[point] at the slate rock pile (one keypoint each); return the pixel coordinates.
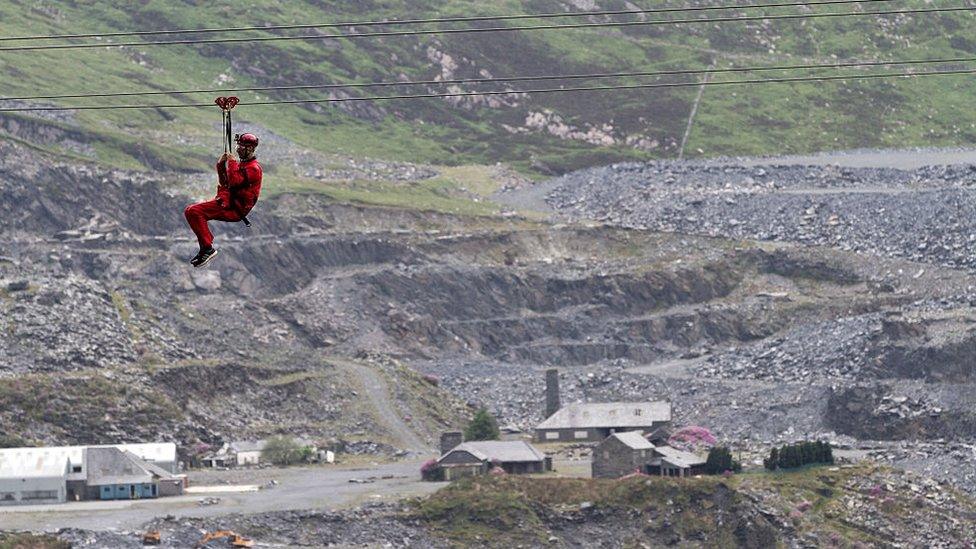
(60, 324)
(836, 349)
(927, 215)
(372, 525)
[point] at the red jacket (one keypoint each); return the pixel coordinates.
(243, 181)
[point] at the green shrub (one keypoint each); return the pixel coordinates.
(796, 455)
(282, 450)
(482, 427)
(720, 460)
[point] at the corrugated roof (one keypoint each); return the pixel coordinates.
(611, 415)
(36, 465)
(634, 440)
(500, 450)
(679, 457)
(162, 452)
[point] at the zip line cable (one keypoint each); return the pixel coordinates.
(483, 18)
(512, 92)
(676, 72)
(489, 29)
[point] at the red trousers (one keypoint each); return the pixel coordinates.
(199, 214)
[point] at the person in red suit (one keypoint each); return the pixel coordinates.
(238, 188)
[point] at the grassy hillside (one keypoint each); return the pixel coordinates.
(850, 506)
(602, 126)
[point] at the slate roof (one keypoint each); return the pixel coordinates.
(679, 457)
(505, 451)
(113, 466)
(150, 467)
(608, 415)
(633, 440)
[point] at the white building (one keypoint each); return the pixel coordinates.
(162, 454)
(247, 452)
(32, 478)
(14, 462)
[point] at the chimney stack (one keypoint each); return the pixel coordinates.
(552, 392)
(450, 440)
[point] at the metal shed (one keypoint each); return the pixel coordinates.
(34, 477)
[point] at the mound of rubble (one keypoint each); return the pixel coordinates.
(926, 215)
(828, 506)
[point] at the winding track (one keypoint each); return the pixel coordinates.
(376, 389)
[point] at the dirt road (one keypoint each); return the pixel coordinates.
(298, 488)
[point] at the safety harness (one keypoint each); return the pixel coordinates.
(226, 105)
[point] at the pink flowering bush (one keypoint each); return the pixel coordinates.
(430, 470)
(692, 438)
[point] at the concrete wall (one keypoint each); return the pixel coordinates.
(249, 458)
(170, 487)
(19, 491)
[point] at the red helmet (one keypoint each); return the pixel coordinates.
(247, 139)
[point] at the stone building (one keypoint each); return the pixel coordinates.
(671, 462)
(621, 454)
(478, 457)
(593, 422)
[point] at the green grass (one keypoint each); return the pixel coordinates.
(31, 541)
(508, 510)
(465, 140)
(431, 195)
(76, 407)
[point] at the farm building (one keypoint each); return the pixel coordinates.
(248, 452)
(671, 462)
(593, 422)
(621, 454)
(33, 479)
(478, 457)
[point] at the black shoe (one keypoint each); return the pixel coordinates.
(204, 257)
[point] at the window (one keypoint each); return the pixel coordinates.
(39, 494)
(606, 454)
(637, 411)
(580, 434)
(76, 468)
(552, 435)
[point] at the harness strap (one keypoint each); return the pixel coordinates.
(228, 129)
